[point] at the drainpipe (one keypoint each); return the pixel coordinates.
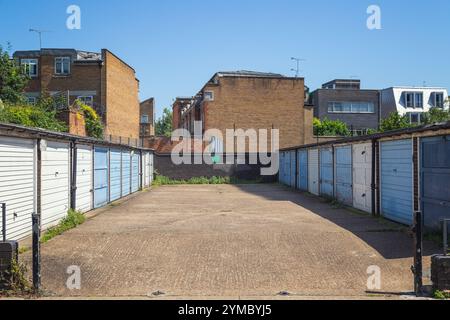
(374, 177)
(73, 175)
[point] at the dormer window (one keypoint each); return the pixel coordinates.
(414, 99)
(62, 65)
(438, 99)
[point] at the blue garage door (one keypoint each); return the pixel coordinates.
(126, 173)
(115, 174)
(293, 170)
(303, 170)
(281, 170)
(135, 172)
(100, 177)
(397, 181)
(344, 176)
(326, 172)
(435, 180)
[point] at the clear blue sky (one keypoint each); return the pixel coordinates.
(177, 45)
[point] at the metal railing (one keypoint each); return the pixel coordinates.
(127, 141)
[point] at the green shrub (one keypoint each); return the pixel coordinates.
(328, 127)
(395, 121)
(32, 116)
(72, 220)
(94, 126)
(440, 295)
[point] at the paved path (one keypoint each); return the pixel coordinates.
(228, 241)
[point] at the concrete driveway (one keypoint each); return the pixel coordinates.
(228, 241)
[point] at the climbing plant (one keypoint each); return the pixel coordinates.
(94, 125)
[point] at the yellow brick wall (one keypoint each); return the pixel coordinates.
(120, 95)
(261, 103)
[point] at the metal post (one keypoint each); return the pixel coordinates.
(445, 237)
(4, 221)
(418, 250)
(36, 220)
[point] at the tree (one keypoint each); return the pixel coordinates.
(163, 125)
(395, 121)
(436, 115)
(328, 127)
(13, 79)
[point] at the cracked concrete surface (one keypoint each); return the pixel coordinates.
(228, 241)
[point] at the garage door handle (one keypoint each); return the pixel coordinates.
(364, 195)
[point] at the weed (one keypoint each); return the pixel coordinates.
(16, 281)
(73, 219)
(441, 295)
(23, 249)
(163, 180)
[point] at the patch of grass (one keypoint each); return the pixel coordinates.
(73, 219)
(24, 249)
(441, 295)
(164, 181)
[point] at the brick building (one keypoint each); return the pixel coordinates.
(147, 118)
(101, 80)
(249, 100)
(345, 100)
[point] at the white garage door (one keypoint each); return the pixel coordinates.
(55, 183)
(17, 185)
(84, 178)
(313, 171)
(362, 177)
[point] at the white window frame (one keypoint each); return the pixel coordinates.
(26, 63)
(84, 97)
(435, 100)
(145, 116)
(62, 59)
(210, 93)
(333, 110)
(415, 101)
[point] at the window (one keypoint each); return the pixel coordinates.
(209, 96)
(62, 65)
(439, 99)
(87, 100)
(30, 66)
(415, 117)
(351, 107)
(31, 100)
(414, 99)
(144, 119)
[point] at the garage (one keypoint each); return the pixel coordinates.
(344, 177)
(17, 185)
(135, 171)
(84, 178)
(326, 172)
(293, 169)
(313, 171)
(55, 182)
(100, 177)
(397, 181)
(435, 165)
(115, 175)
(362, 177)
(303, 170)
(126, 173)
